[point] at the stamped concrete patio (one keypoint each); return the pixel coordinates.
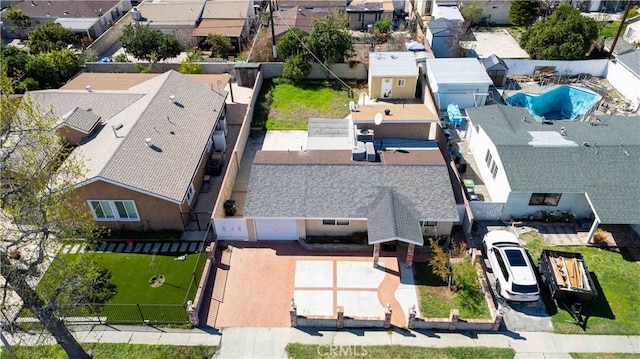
(259, 280)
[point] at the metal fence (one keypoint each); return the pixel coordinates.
(196, 221)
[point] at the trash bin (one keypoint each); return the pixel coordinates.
(230, 208)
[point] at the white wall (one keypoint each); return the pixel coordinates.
(498, 10)
(526, 67)
(479, 142)
(627, 83)
(518, 205)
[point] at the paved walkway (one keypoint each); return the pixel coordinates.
(165, 247)
(271, 342)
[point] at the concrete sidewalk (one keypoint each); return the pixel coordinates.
(271, 342)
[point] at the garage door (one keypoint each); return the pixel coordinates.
(462, 100)
(276, 229)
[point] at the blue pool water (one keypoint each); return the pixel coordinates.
(557, 103)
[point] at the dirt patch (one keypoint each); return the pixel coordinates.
(156, 281)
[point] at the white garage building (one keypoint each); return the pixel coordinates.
(463, 81)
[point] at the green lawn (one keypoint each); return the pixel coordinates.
(117, 351)
(617, 279)
(436, 300)
(300, 351)
(131, 273)
(609, 29)
(283, 106)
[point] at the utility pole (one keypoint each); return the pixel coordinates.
(624, 18)
(273, 31)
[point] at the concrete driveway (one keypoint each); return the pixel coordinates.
(499, 42)
(260, 280)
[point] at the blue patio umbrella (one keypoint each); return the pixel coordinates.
(414, 46)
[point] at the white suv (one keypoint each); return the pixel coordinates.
(515, 278)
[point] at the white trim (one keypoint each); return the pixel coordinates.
(114, 210)
(99, 178)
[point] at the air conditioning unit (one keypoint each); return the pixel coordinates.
(364, 135)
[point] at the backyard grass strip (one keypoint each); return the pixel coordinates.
(117, 351)
(284, 106)
(300, 351)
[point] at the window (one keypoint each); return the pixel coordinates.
(377, 17)
(545, 199)
(503, 268)
(494, 170)
(401, 82)
(428, 224)
(114, 210)
(335, 222)
(488, 158)
(361, 17)
(190, 193)
(631, 34)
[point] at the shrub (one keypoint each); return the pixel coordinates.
(600, 237)
(439, 261)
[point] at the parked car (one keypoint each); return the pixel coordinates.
(515, 278)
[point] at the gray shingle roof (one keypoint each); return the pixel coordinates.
(392, 218)
(607, 168)
(82, 120)
(179, 131)
(301, 190)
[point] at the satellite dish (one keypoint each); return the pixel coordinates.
(352, 106)
(377, 119)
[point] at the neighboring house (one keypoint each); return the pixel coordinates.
(462, 81)
(442, 35)
(590, 169)
(90, 18)
(144, 149)
(623, 72)
(497, 70)
(364, 13)
(296, 17)
(337, 6)
(632, 32)
(235, 19)
(175, 17)
(393, 188)
(392, 75)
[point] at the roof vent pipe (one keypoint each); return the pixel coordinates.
(172, 98)
(148, 142)
(88, 88)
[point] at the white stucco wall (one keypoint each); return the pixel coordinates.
(625, 81)
(525, 67)
(461, 94)
(498, 11)
(479, 143)
(518, 205)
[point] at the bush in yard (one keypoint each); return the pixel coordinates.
(383, 25)
(523, 12)
(149, 44)
(439, 261)
(296, 68)
(220, 45)
(49, 37)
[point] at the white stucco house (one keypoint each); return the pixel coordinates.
(588, 169)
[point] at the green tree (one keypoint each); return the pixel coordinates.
(220, 45)
(50, 36)
(330, 40)
(565, 35)
(14, 60)
(439, 262)
(38, 206)
(42, 70)
(524, 12)
(190, 65)
(149, 44)
(383, 25)
(296, 68)
(289, 44)
(472, 12)
(18, 18)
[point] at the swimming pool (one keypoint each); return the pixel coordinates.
(557, 103)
